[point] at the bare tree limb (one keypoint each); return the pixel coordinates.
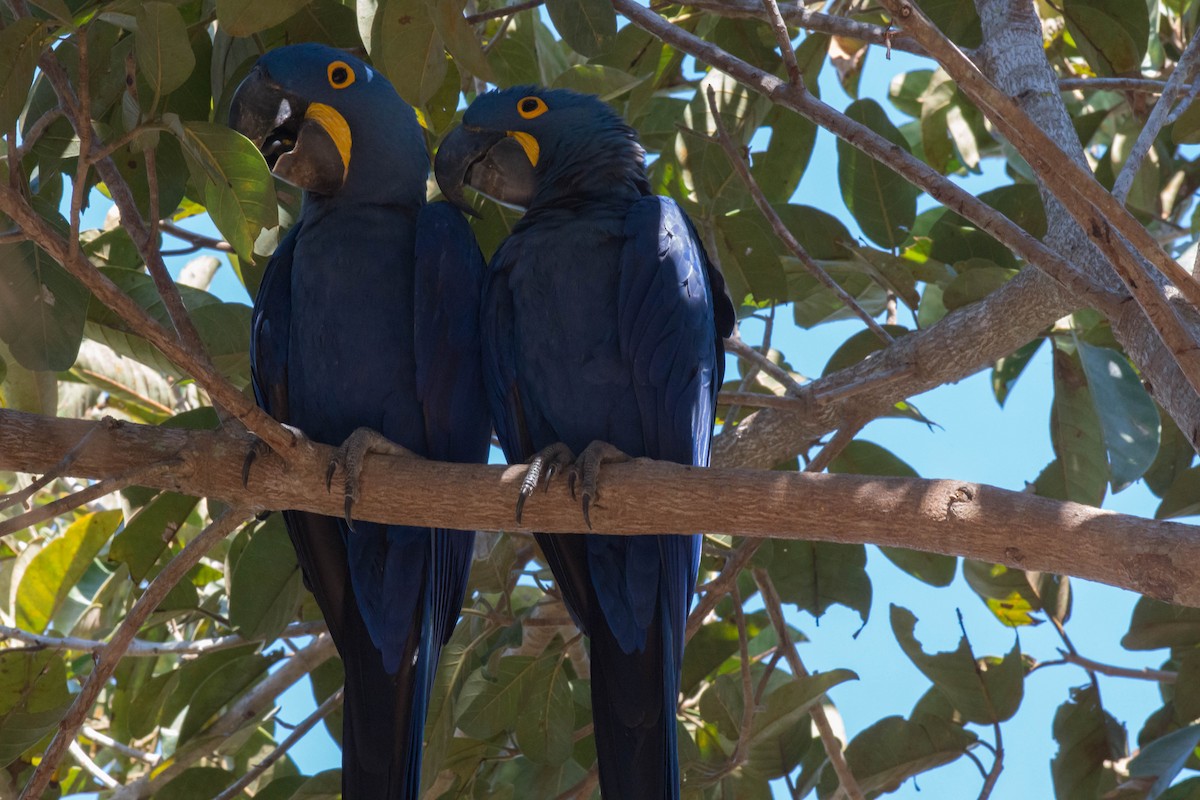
(118, 747)
(324, 710)
(1177, 86)
(141, 648)
(1153, 557)
(832, 745)
(110, 657)
(1143, 674)
(91, 767)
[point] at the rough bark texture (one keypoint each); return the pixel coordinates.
(953, 517)
(1014, 59)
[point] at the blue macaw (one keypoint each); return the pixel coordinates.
(367, 316)
(602, 321)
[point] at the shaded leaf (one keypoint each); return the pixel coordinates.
(41, 308)
(817, 575)
(1163, 759)
(1183, 498)
(146, 536)
(781, 729)
(246, 17)
(1155, 624)
(264, 583)
(1111, 34)
(1089, 740)
(1006, 370)
(588, 26)
(164, 54)
(883, 203)
(33, 698)
(1128, 418)
(547, 721)
(985, 691)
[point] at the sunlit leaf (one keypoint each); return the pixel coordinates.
(883, 203)
(60, 565)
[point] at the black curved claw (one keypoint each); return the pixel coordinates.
(251, 455)
(329, 470)
(348, 507)
(587, 504)
(521, 503)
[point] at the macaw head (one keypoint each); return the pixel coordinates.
(526, 146)
(331, 125)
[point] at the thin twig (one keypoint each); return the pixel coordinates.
(23, 495)
(1176, 86)
(833, 746)
(505, 11)
(739, 348)
(1112, 85)
(35, 131)
(74, 500)
(143, 648)
(749, 707)
(738, 161)
(108, 659)
(91, 767)
(197, 239)
(1144, 674)
(325, 709)
(88, 732)
(784, 40)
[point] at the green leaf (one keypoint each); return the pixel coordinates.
(514, 59)
(1175, 455)
(958, 21)
(1183, 498)
(325, 785)
(858, 347)
(985, 693)
(219, 688)
(883, 203)
(60, 565)
(607, 83)
(490, 705)
(1111, 34)
(748, 252)
(239, 191)
(894, 749)
(588, 26)
(547, 720)
(197, 783)
(246, 17)
(778, 169)
(780, 730)
(41, 308)
(408, 49)
(1080, 472)
(1164, 758)
(906, 89)
(1089, 741)
(817, 575)
(146, 536)
(1155, 624)
(21, 43)
(264, 583)
(1007, 369)
(975, 284)
(459, 37)
(1127, 415)
(164, 54)
(33, 698)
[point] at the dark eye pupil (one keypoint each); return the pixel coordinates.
(529, 105)
(339, 75)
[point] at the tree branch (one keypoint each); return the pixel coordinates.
(1017, 529)
(110, 656)
(141, 648)
(324, 710)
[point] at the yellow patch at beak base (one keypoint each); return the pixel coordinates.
(528, 144)
(336, 126)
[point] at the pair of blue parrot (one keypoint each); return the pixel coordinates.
(594, 332)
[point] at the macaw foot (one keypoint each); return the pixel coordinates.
(542, 467)
(260, 448)
(350, 458)
(586, 472)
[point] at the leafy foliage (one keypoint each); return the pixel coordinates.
(510, 715)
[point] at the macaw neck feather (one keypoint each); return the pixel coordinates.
(601, 166)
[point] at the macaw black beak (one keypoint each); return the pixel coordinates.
(497, 164)
(306, 144)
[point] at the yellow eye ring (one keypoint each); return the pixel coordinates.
(340, 75)
(530, 107)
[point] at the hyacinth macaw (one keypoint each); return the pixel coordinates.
(602, 322)
(368, 317)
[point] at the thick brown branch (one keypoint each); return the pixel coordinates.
(986, 523)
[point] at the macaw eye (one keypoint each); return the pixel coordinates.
(530, 107)
(340, 75)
